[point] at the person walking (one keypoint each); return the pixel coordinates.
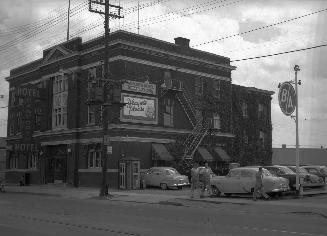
(206, 180)
(2, 185)
(194, 178)
(258, 188)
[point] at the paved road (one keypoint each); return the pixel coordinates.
(32, 214)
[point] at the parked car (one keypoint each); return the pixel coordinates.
(309, 180)
(285, 172)
(317, 170)
(165, 177)
(242, 180)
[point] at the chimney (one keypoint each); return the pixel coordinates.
(184, 42)
(283, 145)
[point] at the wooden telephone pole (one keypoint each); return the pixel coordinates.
(97, 7)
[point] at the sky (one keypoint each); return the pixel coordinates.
(238, 29)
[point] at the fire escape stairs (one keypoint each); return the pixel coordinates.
(200, 127)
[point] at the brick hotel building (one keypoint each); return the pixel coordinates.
(175, 98)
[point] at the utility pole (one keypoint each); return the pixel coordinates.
(68, 19)
(97, 7)
(298, 189)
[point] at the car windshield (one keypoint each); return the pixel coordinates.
(266, 172)
(172, 172)
(301, 170)
(285, 170)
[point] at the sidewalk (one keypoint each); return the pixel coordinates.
(152, 196)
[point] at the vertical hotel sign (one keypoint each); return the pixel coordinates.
(139, 108)
(29, 94)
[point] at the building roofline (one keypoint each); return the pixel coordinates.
(253, 89)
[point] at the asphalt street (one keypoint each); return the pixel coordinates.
(34, 214)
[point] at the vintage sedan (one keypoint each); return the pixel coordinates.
(165, 177)
(285, 172)
(242, 181)
(309, 180)
(320, 171)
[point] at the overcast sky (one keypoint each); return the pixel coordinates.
(220, 26)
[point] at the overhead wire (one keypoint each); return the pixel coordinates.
(260, 28)
(280, 53)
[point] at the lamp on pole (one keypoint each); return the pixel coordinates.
(296, 69)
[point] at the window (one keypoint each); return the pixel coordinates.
(261, 111)
(245, 137)
(244, 109)
(90, 114)
(198, 86)
(216, 121)
(11, 129)
(32, 161)
(246, 174)
(94, 159)
(13, 163)
(60, 95)
(234, 173)
(216, 89)
(169, 112)
(262, 137)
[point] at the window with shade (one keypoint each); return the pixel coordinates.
(216, 121)
(94, 159)
(60, 95)
(169, 112)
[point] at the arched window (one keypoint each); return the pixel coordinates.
(216, 121)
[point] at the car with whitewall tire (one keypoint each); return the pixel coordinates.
(242, 181)
(165, 178)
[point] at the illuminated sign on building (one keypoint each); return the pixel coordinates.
(139, 87)
(139, 109)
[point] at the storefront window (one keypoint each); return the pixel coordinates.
(13, 162)
(94, 159)
(32, 161)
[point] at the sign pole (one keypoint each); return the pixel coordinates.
(296, 69)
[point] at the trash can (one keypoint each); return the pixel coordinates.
(27, 179)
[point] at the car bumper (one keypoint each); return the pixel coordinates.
(281, 189)
(179, 184)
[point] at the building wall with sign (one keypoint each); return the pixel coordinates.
(162, 82)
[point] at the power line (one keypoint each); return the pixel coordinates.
(280, 53)
(260, 28)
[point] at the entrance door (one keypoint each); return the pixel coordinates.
(60, 170)
(136, 174)
(122, 175)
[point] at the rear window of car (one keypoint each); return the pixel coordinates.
(286, 170)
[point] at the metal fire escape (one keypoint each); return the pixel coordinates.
(200, 126)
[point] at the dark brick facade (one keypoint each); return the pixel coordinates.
(64, 153)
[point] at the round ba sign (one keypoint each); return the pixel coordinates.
(287, 98)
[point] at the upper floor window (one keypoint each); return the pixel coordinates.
(262, 137)
(59, 96)
(96, 72)
(244, 109)
(216, 89)
(90, 114)
(169, 112)
(216, 121)
(245, 137)
(11, 129)
(261, 111)
(198, 86)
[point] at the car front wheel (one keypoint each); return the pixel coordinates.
(215, 191)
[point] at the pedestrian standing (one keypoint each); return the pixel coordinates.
(2, 185)
(206, 180)
(194, 178)
(258, 188)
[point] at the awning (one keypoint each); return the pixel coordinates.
(222, 154)
(161, 152)
(205, 154)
